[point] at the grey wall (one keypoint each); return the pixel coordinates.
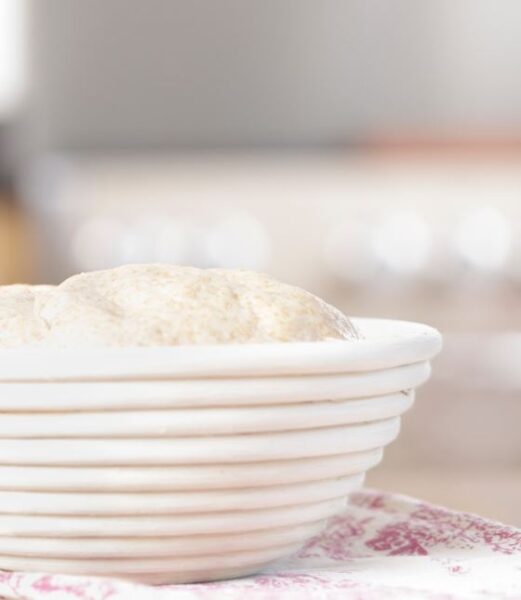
(134, 73)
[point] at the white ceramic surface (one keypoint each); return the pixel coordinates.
(165, 503)
(384, 344)
(186, 477)
(200, 450)
(204, 421)
(136, 547)
(247, 391)
(207, 523)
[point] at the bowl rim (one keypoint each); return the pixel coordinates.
(385, 343)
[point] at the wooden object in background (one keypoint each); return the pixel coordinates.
(15, 245)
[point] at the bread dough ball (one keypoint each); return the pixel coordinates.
(166, 305)
(19, 325)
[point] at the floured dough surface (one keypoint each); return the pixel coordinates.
(19, 325)
(165, 305)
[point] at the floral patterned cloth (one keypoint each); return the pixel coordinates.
(382, 546)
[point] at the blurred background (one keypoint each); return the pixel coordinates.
(369, 151)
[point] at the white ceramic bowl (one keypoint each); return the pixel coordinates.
(193, 463)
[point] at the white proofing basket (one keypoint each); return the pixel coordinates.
(193, 463)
